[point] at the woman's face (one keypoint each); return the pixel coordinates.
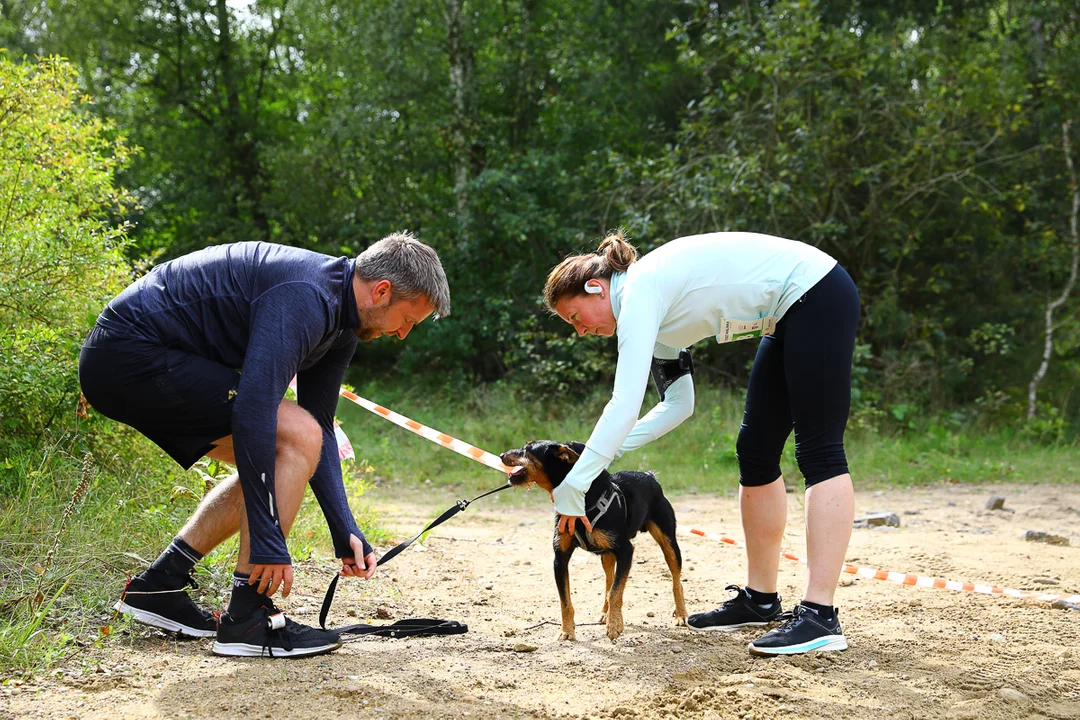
(589, 314)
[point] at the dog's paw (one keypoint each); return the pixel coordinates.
(680, 620)
(567, 636)
(613, 633)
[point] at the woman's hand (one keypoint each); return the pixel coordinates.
(567, 523)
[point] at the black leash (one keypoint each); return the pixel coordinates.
(411, 626)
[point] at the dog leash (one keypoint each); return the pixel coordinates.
(414, 626)
(390, 555)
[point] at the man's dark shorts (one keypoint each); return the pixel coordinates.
(183, 402)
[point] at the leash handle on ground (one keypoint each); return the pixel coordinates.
(450, 512)
(899, 578)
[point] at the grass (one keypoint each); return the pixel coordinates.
(135, 499)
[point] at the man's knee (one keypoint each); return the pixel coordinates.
(298, 433)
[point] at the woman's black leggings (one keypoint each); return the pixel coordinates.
(801, 378)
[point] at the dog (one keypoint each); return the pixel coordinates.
(619, 506)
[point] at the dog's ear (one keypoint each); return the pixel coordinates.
(567, 454)
(578, 447)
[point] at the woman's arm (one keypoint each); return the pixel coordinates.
(639, 324)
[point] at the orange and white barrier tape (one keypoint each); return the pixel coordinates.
(451, 443)
(915, 580)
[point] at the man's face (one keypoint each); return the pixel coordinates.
(396, 318)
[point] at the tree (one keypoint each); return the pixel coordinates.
(62, 256)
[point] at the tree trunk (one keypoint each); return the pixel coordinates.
(461, 65)
(1051, 307)
(244, 164)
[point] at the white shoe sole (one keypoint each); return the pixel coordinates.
(822, 644)
(162, 623)
(729, 628)
(245, 650)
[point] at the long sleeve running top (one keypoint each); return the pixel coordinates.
(687, 290)
(271, 312)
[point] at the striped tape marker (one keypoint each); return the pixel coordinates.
(899, 578)
(461, 448)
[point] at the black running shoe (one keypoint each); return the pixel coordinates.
(803, 631)
(268, 633)
(738, 612)
(159, 599)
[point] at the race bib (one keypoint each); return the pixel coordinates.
(732, 330)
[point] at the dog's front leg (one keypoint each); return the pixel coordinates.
(562, 582)
(624, 558)
(608, 559)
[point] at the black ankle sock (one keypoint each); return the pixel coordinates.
(762, 598)
(826, 612)
(178, 559)
(245, 599)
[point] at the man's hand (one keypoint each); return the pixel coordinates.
(567, 523)
(351, 568)
(272, 577)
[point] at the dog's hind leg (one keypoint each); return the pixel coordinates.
(624, 558)
(608, 559)
(562, 582)
(664, 535)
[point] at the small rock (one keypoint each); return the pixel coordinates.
(488, 587)
(1044, 581)
(878, 519)
(1065, 605)
(676, 648)
(995, 503)
(997, 637)
(1012, 695)
(847, 581)
(650, 614)
(913, 512)
(524, 647)
(382, 613)
(1045, 537)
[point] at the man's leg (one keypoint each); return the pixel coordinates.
(221, 513)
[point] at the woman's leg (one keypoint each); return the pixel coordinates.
(762, 495)
(819, 343)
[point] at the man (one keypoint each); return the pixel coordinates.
(197, 355)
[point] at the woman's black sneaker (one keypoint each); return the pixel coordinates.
(738, 612)
(159, 599)
(268, 633)
(803, 631)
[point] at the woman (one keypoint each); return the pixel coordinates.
(732, 285)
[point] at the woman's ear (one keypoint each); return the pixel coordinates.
(594, 287)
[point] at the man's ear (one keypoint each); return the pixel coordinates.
(566, 454)
(381, 293)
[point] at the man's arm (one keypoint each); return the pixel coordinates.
(286, 322)
(317, 392)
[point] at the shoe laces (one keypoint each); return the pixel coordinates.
(279, 633)
(788, 618)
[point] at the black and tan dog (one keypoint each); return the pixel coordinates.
(618, 506)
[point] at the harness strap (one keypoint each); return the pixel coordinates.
(328, 600)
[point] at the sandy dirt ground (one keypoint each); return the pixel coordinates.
(914, 652)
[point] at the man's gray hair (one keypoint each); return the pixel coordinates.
(413, 269)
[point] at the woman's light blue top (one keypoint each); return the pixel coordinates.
(727, 285)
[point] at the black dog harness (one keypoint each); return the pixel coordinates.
(613, 496)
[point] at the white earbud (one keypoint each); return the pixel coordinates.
(594, 288)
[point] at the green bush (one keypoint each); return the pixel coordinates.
(61, 258)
